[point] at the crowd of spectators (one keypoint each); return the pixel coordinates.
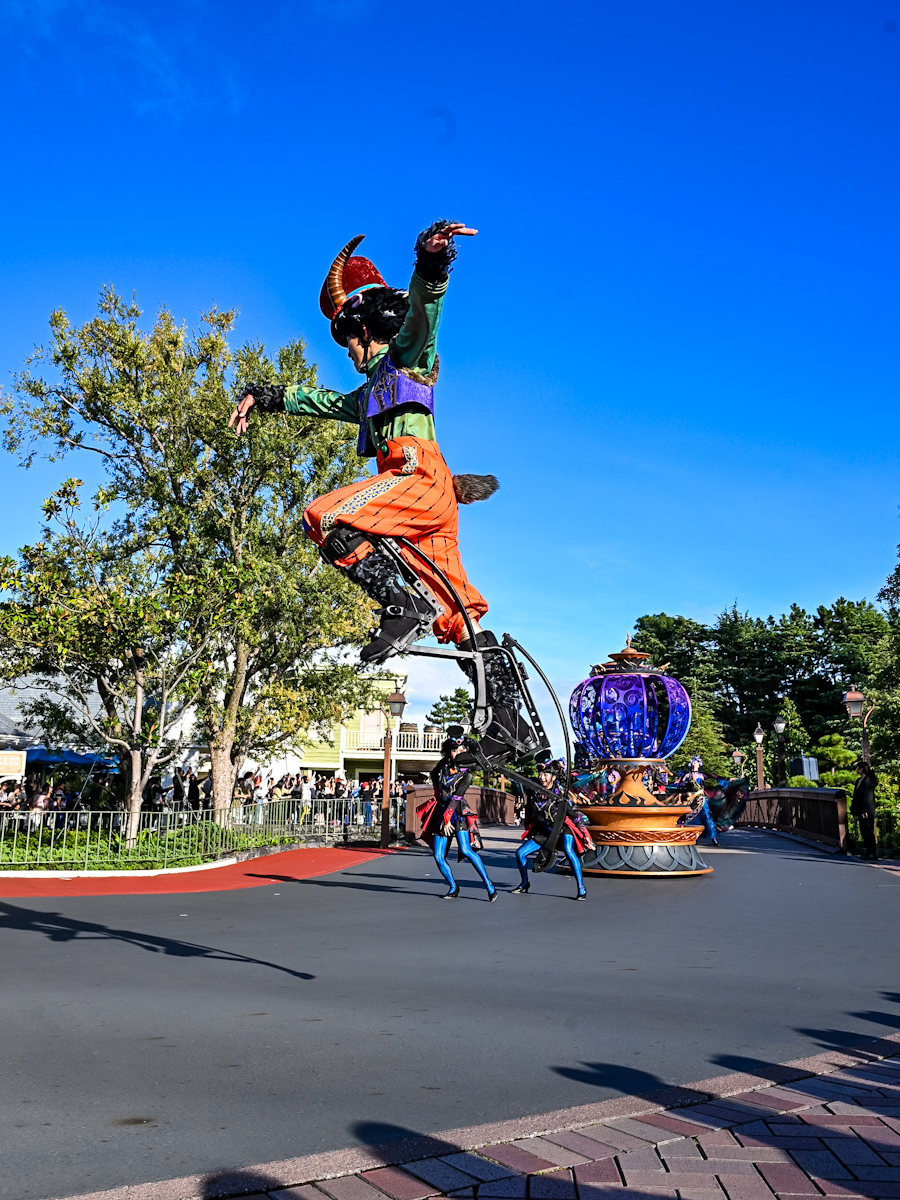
(362, 798)
(186, 792)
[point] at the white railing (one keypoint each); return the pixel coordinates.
(429, 743)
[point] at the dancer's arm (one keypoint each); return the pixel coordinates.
(297, 400)
(415, 345)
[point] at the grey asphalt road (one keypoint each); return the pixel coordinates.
(145, 1037)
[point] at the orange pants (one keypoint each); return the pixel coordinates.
(412, 496)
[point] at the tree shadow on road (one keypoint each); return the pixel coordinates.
(397, 1143)
(842, 1039)
(763, 1070)
(240, 1181)
(630, 1081)
(58, 928)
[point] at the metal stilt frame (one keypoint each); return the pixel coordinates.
(483, 713)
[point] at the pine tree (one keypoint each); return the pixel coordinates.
(452, 710)
(704, 739)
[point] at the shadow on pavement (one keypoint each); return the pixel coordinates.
(392, 1143)
(58, 928)
(342, 883)
(395, 1144)
(238, 1181)
(629, 1081)
(763, 1070)
(891, 1020)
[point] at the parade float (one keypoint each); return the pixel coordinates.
(631, 716)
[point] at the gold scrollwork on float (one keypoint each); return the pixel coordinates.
(622, 837)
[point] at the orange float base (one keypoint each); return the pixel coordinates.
(634, 834)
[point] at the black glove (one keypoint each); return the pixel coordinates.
(268, 397)
(434, 268)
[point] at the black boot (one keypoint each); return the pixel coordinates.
(509, 737)
(402, 613)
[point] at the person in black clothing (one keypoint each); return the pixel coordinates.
(448, 813)
(862, 806)
(540, 814)
(193, 791)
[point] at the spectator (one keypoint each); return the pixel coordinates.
(207, 791)
(306, 797)
(178, 789)
(259, 798)
(862, 806)
(40, 803)
(193, 791)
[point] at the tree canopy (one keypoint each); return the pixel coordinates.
(743, 670)
(455, 709)
(218, 516)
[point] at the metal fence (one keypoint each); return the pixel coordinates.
(114, 840)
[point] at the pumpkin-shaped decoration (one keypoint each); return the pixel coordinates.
(629, 710)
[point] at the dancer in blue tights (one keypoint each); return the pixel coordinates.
(448, 813)
(539, 815)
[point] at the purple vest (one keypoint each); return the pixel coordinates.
(388, 388)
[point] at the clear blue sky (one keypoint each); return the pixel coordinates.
(675, 339)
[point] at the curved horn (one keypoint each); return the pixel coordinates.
(335, 280)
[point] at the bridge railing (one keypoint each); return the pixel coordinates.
(817, 814)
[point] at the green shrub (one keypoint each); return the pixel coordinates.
(96, 850)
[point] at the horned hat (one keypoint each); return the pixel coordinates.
(349, 275)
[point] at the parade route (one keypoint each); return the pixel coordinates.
(155, 1036)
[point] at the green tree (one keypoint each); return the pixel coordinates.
(704, 739)
(112, 645)
(154, 406)
(683, 644)
(796, 740)
(746, 665)
(835, 761)
(455, 709)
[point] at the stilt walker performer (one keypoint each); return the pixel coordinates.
(391, 339)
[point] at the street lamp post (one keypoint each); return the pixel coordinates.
(758, 735)
(855, 702)
(396, 703)
(737, 759)
(779, 725)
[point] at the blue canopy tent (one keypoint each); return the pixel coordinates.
(40, 756)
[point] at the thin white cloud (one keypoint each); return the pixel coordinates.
(156, 68)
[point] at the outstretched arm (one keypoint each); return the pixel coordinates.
(415, 344)
(297, 400)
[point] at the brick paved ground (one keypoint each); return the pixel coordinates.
(827, 1126)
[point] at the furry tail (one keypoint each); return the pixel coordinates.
(470, 488)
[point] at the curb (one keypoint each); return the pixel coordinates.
(288, 1173)
(231, 861)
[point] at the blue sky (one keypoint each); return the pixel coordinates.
(674, 339)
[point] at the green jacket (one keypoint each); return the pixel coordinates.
(413, 349)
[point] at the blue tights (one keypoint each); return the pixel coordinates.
(465, 848)
(703, 817)
(568, 845)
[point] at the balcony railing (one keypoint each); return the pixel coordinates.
(429, 743)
